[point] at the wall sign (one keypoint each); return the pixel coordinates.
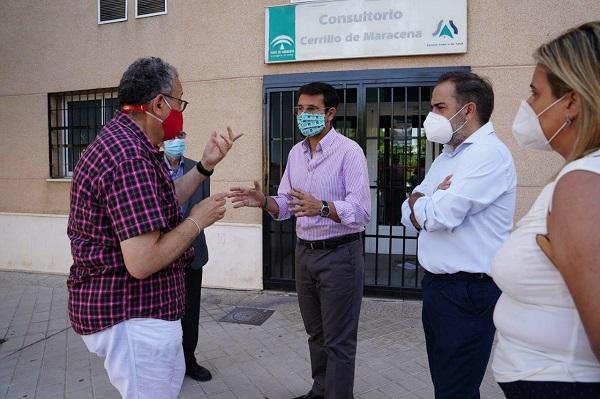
(364, 28)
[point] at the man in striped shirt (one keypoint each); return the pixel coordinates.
(325, 186)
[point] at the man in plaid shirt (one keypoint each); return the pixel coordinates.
(129, 241)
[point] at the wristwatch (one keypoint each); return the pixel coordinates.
(203, 171)
(324, 209)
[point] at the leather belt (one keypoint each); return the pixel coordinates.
(330, 243)
(459, 276)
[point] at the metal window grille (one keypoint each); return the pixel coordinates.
(112, 11)
(74, 119)
(383, 111)
(150, 8)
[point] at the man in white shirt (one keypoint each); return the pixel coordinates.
(464, 211)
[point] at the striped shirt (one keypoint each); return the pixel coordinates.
(336, 172)
(121, 189)
(176, 173)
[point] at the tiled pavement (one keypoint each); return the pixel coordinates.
(43, 358)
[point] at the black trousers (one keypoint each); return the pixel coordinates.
(459, 332)
(190, 321)
(550, 390)
(329, 284)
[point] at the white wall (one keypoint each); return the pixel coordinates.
(234, 256)
(34, 242)
(39, 243)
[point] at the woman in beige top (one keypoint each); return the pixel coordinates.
(548, 316)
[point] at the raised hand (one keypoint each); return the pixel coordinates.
(244, 196)
(304, 204)
(209, 210)
(217, 147)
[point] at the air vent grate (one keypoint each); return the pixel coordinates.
(112, 11)
(147, 8)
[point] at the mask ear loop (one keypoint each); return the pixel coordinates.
(463, 107)
(463, 125)
(154, 116)
(550, 106)
(560, 129)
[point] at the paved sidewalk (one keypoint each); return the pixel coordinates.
(42, 357)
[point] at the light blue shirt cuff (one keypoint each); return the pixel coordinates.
(406, 214)
(406, 218)
(419, 211)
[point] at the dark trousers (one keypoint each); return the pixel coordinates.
(329, 284)
(459, 332)
(550, 390)
(190, 321)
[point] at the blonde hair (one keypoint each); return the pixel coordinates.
(572, 61)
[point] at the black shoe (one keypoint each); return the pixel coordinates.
(310, 395)
(197, 372)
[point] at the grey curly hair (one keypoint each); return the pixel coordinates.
(144, 79)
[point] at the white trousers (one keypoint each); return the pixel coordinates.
(144, 357)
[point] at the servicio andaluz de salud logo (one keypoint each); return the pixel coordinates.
(446, 29)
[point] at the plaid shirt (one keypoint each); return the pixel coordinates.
(121, 189)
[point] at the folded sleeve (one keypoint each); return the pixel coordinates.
(133, 199)
(355, 209)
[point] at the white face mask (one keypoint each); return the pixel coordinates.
(527, 129)
(438, 129)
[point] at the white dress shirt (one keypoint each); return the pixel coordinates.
(466, 224)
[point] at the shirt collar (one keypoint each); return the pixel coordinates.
(180, 165)
(478, 135)
(326, 144)
(128, 123)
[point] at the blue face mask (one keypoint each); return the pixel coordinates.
(174, 148)
(310, 124)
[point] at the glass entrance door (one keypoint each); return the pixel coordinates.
(383, 111)
(279, 237)
(398, 155)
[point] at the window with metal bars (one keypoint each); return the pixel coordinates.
(112, 11)
(74, 119)
(150, 8)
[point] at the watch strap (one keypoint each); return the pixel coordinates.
(202, 170)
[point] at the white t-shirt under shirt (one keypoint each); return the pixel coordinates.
(540, 335)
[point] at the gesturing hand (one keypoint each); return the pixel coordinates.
(217, 148)
(250, 197)
(209, 210)
(304, 204)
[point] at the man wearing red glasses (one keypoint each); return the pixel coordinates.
(129, 241)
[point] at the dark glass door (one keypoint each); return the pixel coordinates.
(383, 111)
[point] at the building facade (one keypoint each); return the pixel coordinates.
(61, 65)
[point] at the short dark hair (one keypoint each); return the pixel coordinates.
(470, 87)
(330, 96)
(144, 79)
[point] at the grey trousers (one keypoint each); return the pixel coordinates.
(329, 284)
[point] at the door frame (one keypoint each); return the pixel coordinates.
(361, 80)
